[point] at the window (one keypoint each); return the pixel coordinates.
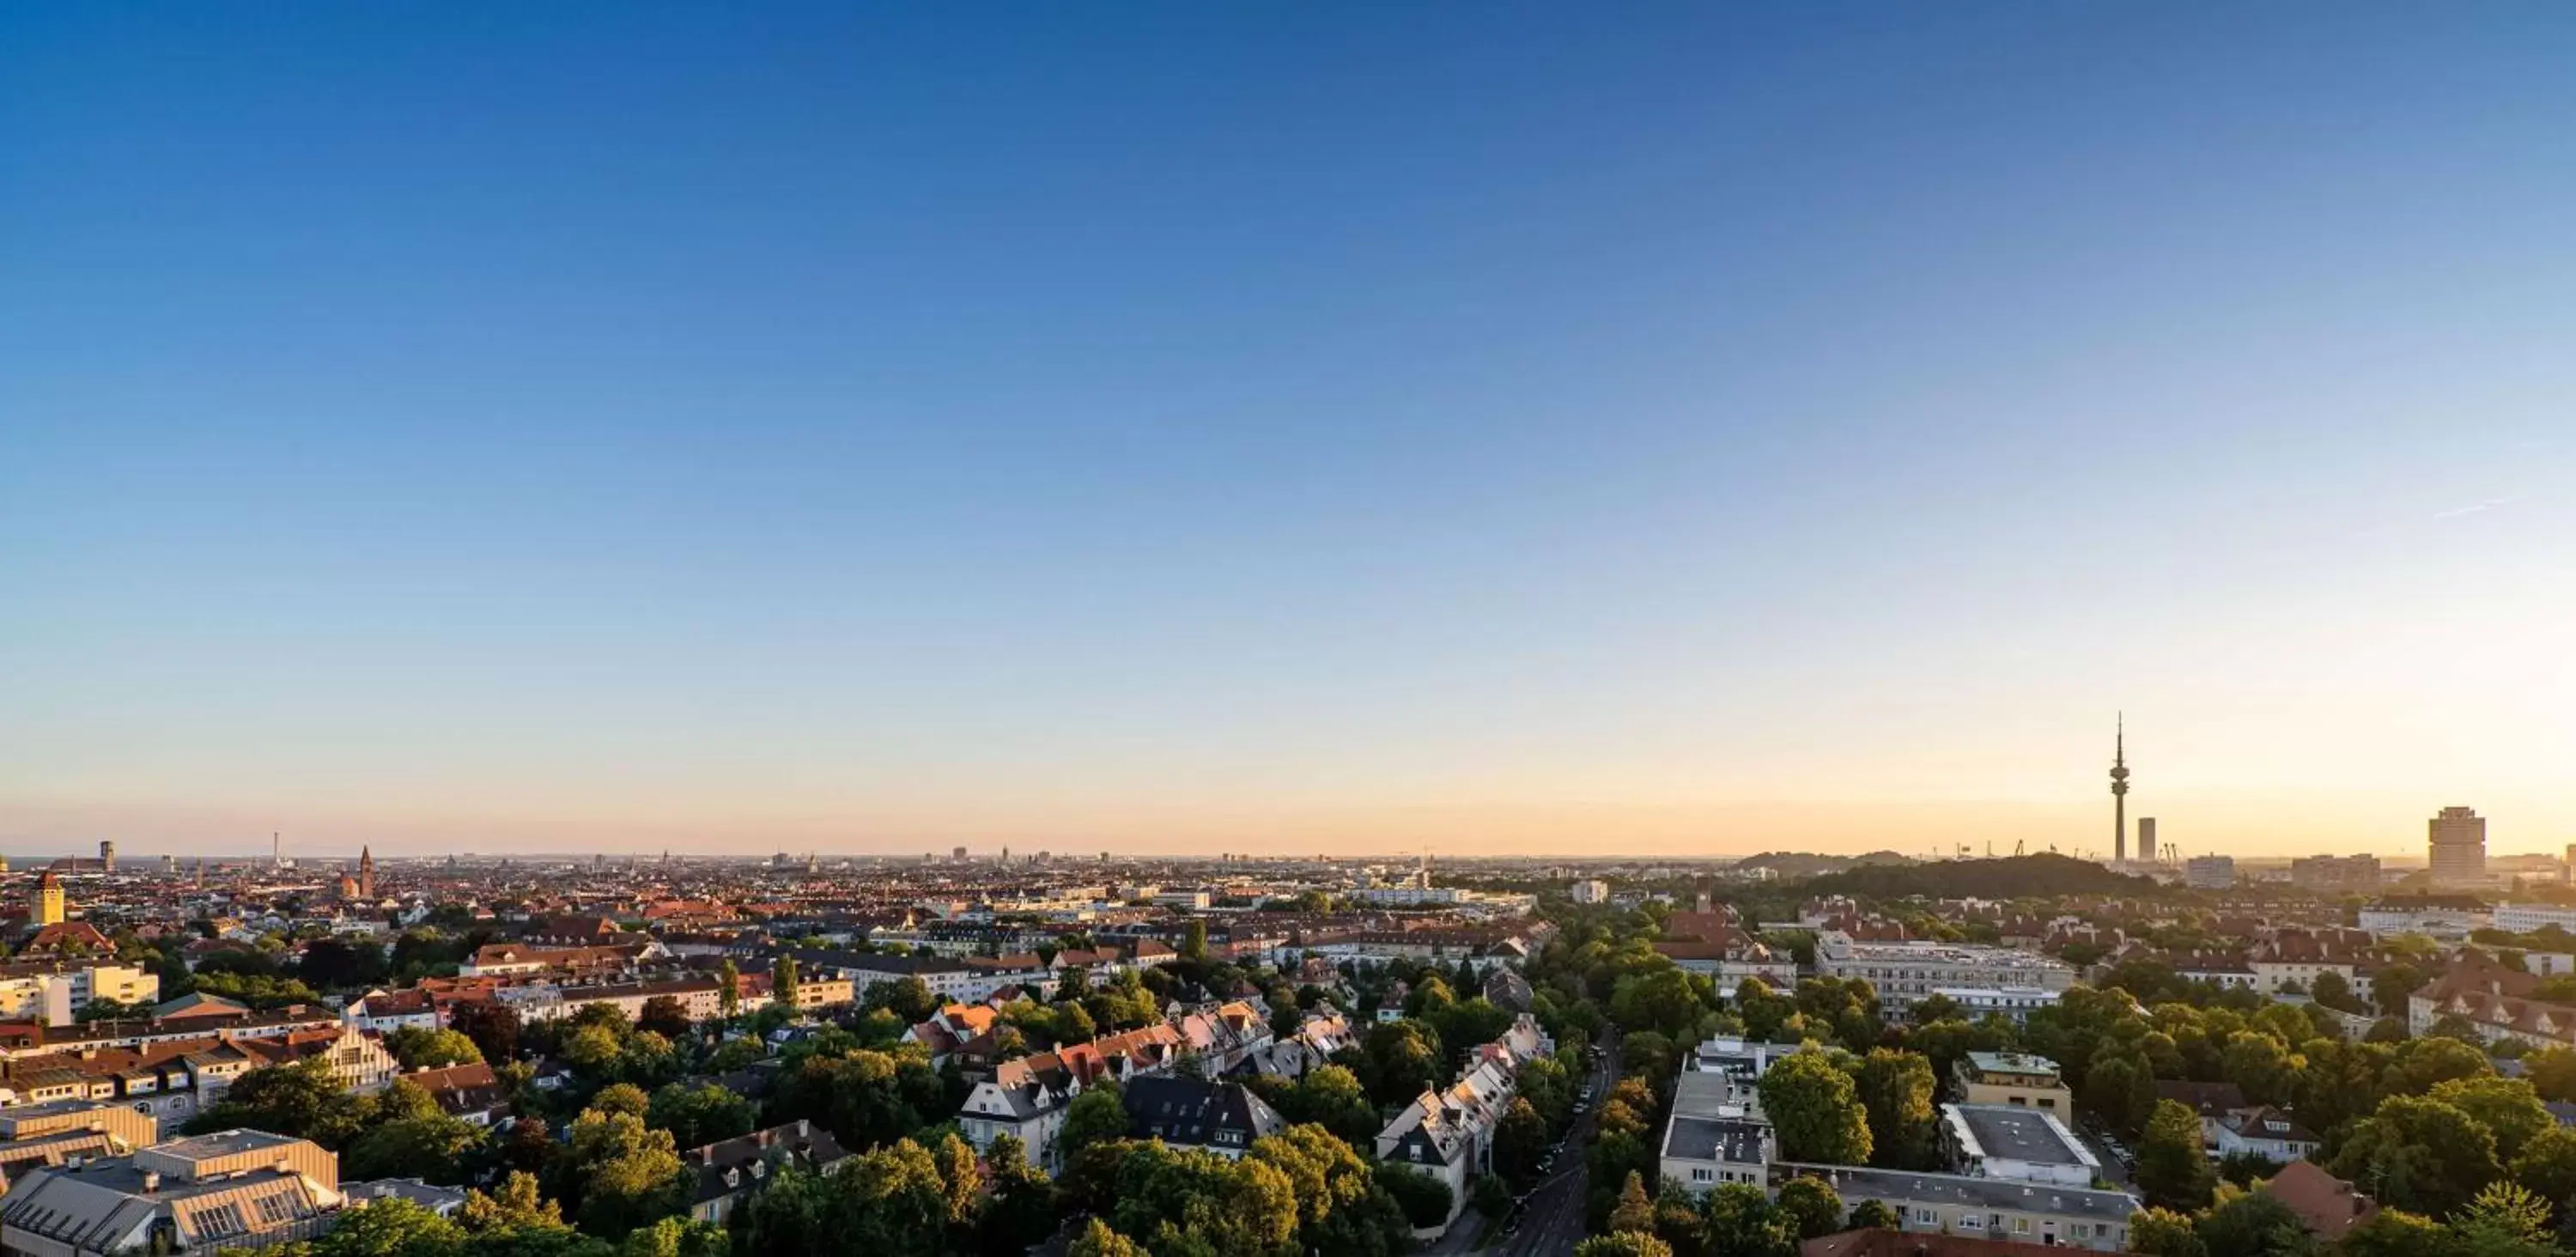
(1700, 1175)
(2021, 1226)
(1927, 1216)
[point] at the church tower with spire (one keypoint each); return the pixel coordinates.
(2120, 790)
(366, 872)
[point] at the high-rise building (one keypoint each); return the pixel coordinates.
(958, 854)
(2146, 840)
(2209, 872)
(2120, 790)
(2335, 874)
(2457, 847)
(106, 856)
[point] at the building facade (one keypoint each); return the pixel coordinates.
(2456, 845)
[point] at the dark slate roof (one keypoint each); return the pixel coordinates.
(1189, 1111)
(1714, 1139)
(2016, 1134)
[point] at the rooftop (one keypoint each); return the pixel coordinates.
(2014, 1133)
(1963, 1191)
(1715, 1139)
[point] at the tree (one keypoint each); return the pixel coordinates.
(517, 1205)
(2260, 1066)
(624, 1097)
(664, 1015)
(2172, 1170)
(1634, 1212)
(2335, 992)
(2165, 1233)
(418, 1048)
(1405, 1059)
(1742, 1222)
(1194, 940)
(1813, 1206)
(431, 1148)
(1623, 1244)
(302, 1100)
(491, 1024)
(2547, 1164)
(1520, 1139)
(2418, 1154)
(2505, 1217)
(390, 1226)
(2255, 1224)
(1097, 1240)
(628, 1173)
(1330, 1095)
(699, 1115)
(728, 990)
(2507, 1107)
(908, 998)
(677, 1237)
(1340, 1207)
(1097, 1115)
(1022, 1212)
(1816, 1111)
(1896, 1090)
(1424, 1200)
(2393, 983)
(1875, 1215)
(2120, 1089)
(783, 983)
(2396, 1233)
(1659, 999)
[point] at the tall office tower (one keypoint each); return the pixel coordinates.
(958, 854)
(276, 850)
(2458, 847)
(2568, 872)
(2120, 790)
(106, 856)
(2146, 840)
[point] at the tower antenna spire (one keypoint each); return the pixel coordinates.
(2120, 788)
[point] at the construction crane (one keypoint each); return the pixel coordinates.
(2017, 846)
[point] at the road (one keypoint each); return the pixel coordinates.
(1552, 1221)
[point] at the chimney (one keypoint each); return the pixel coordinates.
(151, 1181)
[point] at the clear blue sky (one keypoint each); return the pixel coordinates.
(1313, 426)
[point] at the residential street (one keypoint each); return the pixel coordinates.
(1552, 1221)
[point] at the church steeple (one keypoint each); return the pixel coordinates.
(366, 872)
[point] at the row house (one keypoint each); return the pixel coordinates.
(1028, 1098)
(1448, 1134)
(2496, 1001)
(20, 1040)
(531, 959)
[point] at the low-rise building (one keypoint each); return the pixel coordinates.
(2016, 1142)
(2013, 1079)
(1991, 1208)
(234, 1189)
(2266, 1132)
(727, 1172)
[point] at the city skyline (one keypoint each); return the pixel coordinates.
(1687, 433)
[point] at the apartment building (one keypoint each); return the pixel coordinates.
(1905, 972)
(1990, 1208)
(1716, 1134)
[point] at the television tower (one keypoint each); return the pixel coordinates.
(2119, 790)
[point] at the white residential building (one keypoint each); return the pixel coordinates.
(2016, 1142)
(1904, 972)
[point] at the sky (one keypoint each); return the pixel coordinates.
(1502, 429)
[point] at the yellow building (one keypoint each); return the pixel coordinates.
(47, 909)
(2014, 1078)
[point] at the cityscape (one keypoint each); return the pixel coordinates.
(1144, 630)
